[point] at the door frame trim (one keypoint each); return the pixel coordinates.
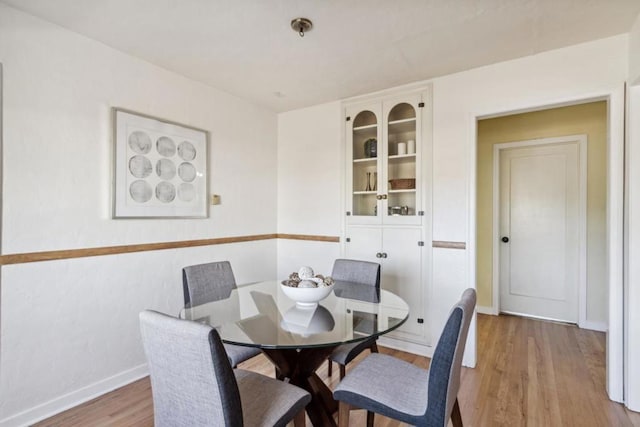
(581, 141)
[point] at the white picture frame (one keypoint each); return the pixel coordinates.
(160, 168)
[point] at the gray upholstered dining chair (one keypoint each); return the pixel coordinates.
(397, 389)
(361, 273)
(209, 282)
(193, 384)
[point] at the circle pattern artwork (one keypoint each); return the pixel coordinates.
(140, 166)
(140, 191)
(162, 169)
(140, 142)
(187, 172)
(165, 169)
(165, 146)
(186, 151)
(186, 192)
(165, 192)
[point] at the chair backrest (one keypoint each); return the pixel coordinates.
(355, 271)
(204, 283)
(444, 371)
(192, 382)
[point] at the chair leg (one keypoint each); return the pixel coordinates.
(329, 367)
(369, 419)
(456, 417)
(299, 420)
(343, 414)
(374, 348)
(343, 371)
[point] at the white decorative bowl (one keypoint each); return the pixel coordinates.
(306, 297)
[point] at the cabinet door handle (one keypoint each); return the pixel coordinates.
(384, 254)
(379, 197)
(378, 255)
(384, 196)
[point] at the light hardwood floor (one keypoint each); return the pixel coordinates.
(529, 373)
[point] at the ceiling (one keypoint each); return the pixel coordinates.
(247, 48)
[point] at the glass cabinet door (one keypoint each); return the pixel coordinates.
(365, 153)
(402, 182)
(384, 148)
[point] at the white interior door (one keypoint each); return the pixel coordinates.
(540, 229)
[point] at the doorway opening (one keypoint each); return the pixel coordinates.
(553, 124)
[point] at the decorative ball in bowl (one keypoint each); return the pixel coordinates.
(307, 289)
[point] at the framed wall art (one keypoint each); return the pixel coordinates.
(160, 168)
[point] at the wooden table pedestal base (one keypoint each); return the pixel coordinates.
(300, 367)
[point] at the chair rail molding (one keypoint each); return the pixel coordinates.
(23, 258)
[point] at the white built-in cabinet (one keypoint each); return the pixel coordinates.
(387, 215)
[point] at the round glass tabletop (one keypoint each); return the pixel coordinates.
(261, 315)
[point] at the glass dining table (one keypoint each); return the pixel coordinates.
(297, 339)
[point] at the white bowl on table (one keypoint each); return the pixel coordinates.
(306, 297)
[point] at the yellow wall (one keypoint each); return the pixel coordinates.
(589, 119)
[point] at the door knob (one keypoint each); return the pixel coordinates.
(505, 239)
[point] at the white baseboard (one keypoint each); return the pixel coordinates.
(586, 324)
(594, 326)
(480, 309)
(409, 347)
(75, 398)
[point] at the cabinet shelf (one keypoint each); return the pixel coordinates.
(364, 193)
(411, 190)
(366, 160)
(365, 127)
(401, 156)
(402, 121)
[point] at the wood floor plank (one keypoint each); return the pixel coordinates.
(528, 373)
(547, 379)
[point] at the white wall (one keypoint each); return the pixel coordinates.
(634, 53)
(632, 294)
(585, 71)
(69, 328)
(574, 73)
(309, 186)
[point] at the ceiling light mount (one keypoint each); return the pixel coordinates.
(301, 25)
